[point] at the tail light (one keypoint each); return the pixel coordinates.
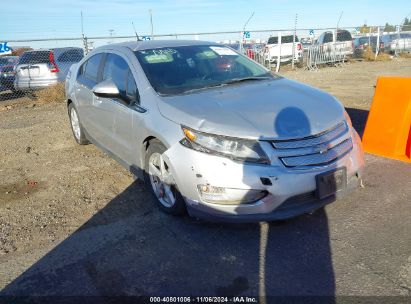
(54, 68)
(382, 45)
(299, 46)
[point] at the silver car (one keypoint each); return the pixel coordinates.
(212, 132)
(42, 68)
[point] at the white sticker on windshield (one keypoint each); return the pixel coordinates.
(223, 50)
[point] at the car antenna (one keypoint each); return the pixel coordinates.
(135, 32)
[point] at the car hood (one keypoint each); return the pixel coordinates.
(268, 109)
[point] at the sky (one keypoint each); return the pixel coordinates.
(25, 19)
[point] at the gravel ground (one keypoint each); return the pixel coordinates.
(74, 222)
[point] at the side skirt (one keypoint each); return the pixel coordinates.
(137, 172)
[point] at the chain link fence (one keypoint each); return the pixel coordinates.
(37, 68)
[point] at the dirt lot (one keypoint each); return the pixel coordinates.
(74, 222)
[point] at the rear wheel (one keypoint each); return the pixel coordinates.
(76, 127)
(160, 182)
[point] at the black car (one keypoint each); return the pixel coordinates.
(7, 73)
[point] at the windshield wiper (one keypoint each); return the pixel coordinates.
(236, 80)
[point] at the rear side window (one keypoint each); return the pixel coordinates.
(91, 67)
(35, 57)
(89, 71)
(344, 36)
(288, 39)
(71, 56)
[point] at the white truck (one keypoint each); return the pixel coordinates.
(284, 50)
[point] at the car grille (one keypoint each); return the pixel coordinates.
(318, 150)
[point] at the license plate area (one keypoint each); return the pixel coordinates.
(331, 182)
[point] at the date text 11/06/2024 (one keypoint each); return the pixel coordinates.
(237, 299)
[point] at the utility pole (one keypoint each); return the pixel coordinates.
(111, 35)
(338, 24)
(242, 34)
(339, 19)
(85, 42)
(294, 36)
(151, 23)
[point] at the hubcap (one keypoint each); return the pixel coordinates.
(161, 180)
(75, 124)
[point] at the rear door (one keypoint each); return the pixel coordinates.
(89, 74)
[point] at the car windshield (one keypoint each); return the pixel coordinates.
(177, 70)
(343, 36)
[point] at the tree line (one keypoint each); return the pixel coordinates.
(406, 26)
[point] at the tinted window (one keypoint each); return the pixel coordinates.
(90, 68)
(284, 39)
(116, 69)
(35, 57)
(328, 37)
(273, 40)
(344, 36)
(71, 56)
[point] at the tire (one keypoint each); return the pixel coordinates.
(76, 126)
(164, 190)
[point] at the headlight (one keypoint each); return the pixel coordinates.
(234, 148)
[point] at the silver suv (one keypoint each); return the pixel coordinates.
(212, 132)
(42, 68)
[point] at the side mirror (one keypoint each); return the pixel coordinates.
(106, 89)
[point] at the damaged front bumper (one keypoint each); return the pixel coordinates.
(287, 192)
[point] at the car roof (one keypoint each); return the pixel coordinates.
(154, 44)
(54, 49)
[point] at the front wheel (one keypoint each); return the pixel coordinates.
(160, 182)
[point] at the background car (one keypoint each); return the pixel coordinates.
(273, 49)
(7, 65)
(41, 68)
(361, 43)
(400, 43)
(343, 41)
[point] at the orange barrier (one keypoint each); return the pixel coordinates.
(388, 129)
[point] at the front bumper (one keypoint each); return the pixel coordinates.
(291, 193)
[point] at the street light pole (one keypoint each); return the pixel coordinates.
(242, 34)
